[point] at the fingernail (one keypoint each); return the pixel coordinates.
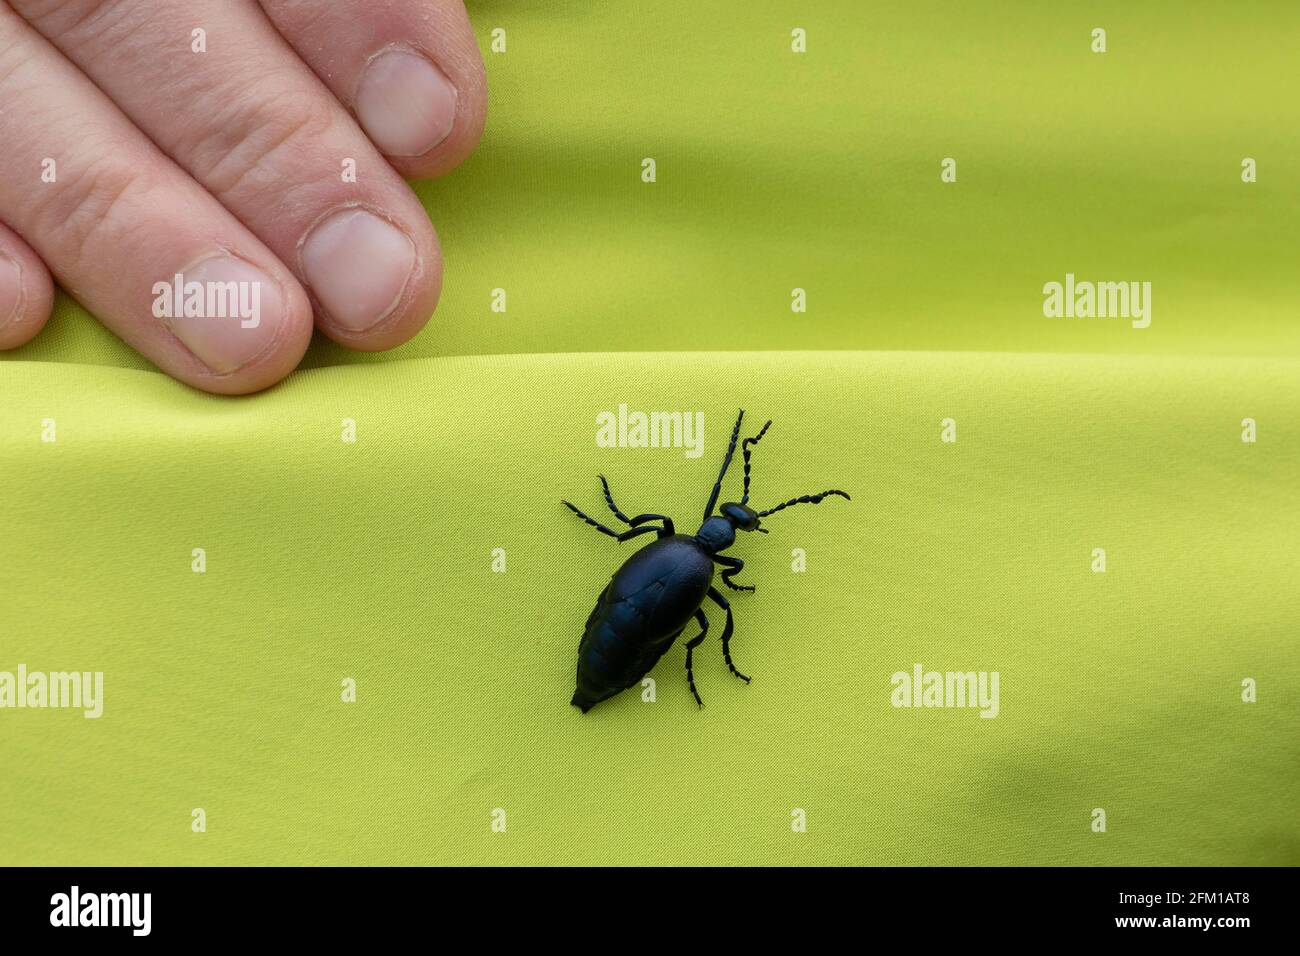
(357, 265)
(241, 309)
(406, 105)
(11, 290)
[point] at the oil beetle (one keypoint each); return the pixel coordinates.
(652, 597)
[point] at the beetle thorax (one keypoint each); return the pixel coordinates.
(716, 534)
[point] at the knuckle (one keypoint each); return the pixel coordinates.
(68, 18)
(299, 17)
(258, 144)
(99, 203)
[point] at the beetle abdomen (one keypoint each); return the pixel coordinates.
(609, 663)
(639, 615)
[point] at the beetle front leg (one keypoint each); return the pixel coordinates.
(610, 499)
(667, 530)
(733, 567)
(690, 646)
(624, 536)
(726, 632)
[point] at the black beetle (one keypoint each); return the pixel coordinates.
(651, 598)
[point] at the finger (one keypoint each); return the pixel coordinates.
(113, 217)
(413, 76)
(265, 137)
(26, 291)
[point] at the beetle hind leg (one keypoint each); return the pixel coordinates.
(726, 632)
(690, 647)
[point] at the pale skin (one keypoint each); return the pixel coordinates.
(230, 165)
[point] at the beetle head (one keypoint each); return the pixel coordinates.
(741, 516)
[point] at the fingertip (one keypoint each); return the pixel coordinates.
(414, 78)
(281, 357)
(26, 293)
(375, 279)
(466, 130)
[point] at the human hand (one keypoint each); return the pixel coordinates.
(213, 139)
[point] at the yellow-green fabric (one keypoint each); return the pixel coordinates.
(373, 560)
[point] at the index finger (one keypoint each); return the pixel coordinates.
(409, 70)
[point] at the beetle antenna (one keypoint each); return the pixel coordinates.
(804, 499)
(744, 447)
(726, 463)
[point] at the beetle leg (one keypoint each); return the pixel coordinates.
(733, 567)
(613, 507)
(591, 521)
(631, 533)
(730, 573)
(667, 530)
(690, 646)
(664, 532)
(726, 632)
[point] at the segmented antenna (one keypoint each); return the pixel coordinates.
(804, 499)
(744, 447)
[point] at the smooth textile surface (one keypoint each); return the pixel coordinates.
(821, 171)
(373, 561)
(326, 560)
